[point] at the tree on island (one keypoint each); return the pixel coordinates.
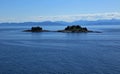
(76, 28)
(36, 29)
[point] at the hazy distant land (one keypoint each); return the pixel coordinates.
(59, 23)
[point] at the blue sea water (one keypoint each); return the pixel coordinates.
(59, 53)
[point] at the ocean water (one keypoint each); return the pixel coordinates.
(59, 53)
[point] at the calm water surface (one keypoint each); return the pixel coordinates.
(59, 53)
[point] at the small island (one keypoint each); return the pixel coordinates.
(75, 28)
(36, 29)
(68, 29)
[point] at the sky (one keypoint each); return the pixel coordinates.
(58, 10)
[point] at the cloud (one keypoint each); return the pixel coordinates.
(89, 17)
(68, 18)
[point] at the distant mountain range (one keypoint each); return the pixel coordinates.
(33, 23)
(80, 22)
(98, 22)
